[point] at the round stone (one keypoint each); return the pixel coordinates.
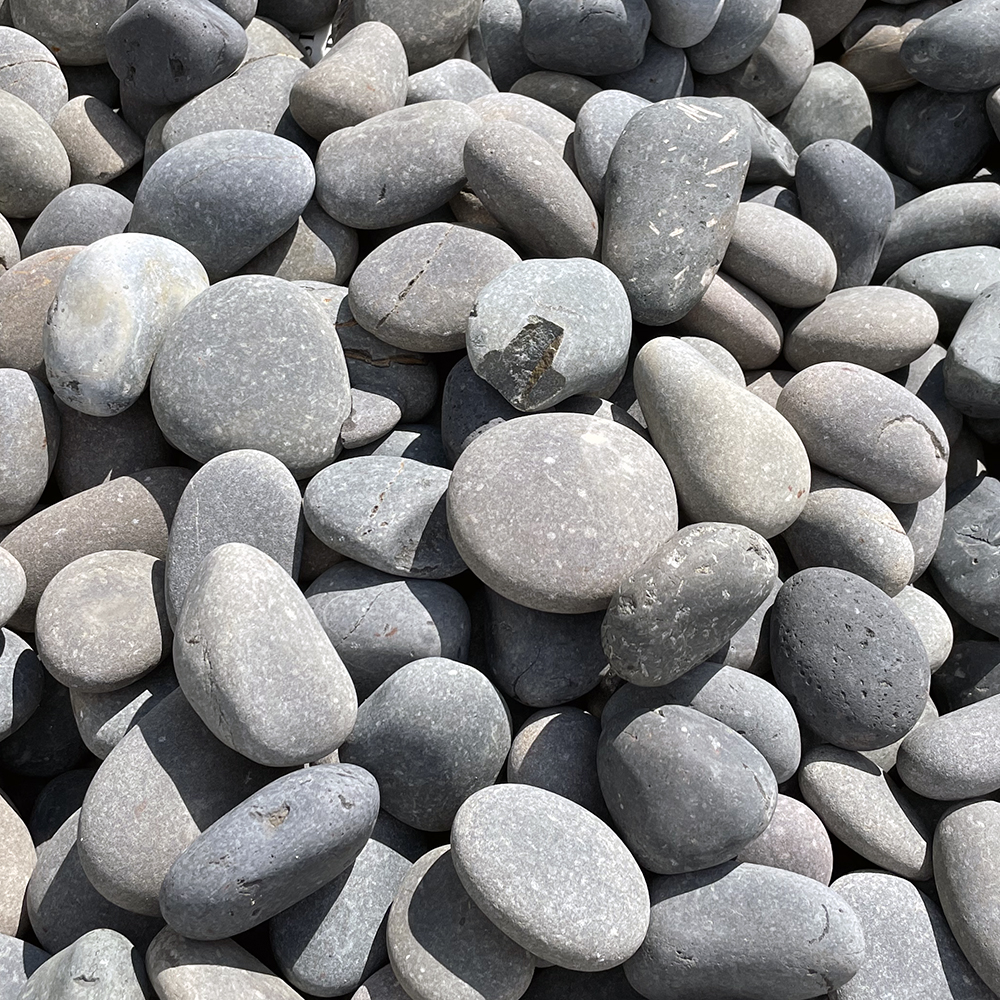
(931, 621)
(17, 857)
(971, 376)
(795, 840)
(29, 71)
(80, 215)
(832, 104)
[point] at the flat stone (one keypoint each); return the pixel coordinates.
(368, 178)
(334, 939)
(664, 73)
(416, 290)
(432, 734)
(29, 71)
(239, 496)
(528, 879)
(931, 621)
(694, 412)
(225, 195)
(78, 216)
(665, 276)
(955, 50)
(263, 386)
(18, 960)
(541, 331)
(649, 766)
(908, 942)
(511, 534)
(966, 866)
(100, 145)
(563, 91)
(833, 632)
(832, 104)
(75, 31)
(971, 369)
(33, 163)
(739, 30)
(795, 840)
(299, 703)
(725, 921)
(441, 944)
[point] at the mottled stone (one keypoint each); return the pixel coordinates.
(971, 368)
(795, 840)
(451, 80)
(739, 30)
(931, 622)
(430, 33)
(832, 104)
(80, 215)
(956, 49)
(29, 71)
(18, 960)
(100, 145)
(563, 91)
(664, 73)
(33, 162)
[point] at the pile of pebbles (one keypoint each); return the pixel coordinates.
(498, 499)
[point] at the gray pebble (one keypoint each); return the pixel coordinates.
(955, 50)
(18, 960)
(33, 162)
(924, 377)
(767, 384)
(832, 104)
(73, 30)
(683, 23)
(664, 73)
(774, 195)
(10, 252)
(93, 81)
(372, 417)
(511, 533)
(563, 91)
(420, 442)
(382, 985)
(931, 622)
(100, 145)
(13, 585)
(29, 71)
(78, 216)
(432, 734)
(551, 125)
(501, 23)
(885, 758)
(17, 856)
(795, 840)
(772, 156)
(451, 80)
(739, 30)
(972, 382)
(470, 406)
(923, 522)
(748, 648)
(23, 681)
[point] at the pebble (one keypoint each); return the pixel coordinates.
(17, 856)
(470, 406)
(10, 252)
(748, 931)
(13, 585)
(510, 533)
(648, 195)
(795, 840)
(931, 621)
(563, 91)
(416, 290)
(33, 162)
(748, 648)
(544, 330)
(59, 798)
(379, 623)
(832, 104)
(649, 766)
(833, 632)
(971, 381)
(78, 216)
(285, 391)
(739, 30)
(442, 945)
(544, 121)
(99, 144)
(432, 734)
(695, 416)
(453, 79)
(528, 879)
(683, 23)
(955, 50)
(30, 72)
(18, 960)
(664, 73)
(501, 23)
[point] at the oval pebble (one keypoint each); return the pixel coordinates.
(971, 373)
(955, 50)
(33, 162)
(29, 71)
(13, 584)
(832, 104)
(739, 29)
(99, 144)
(78, 216)
(451, 80)
(795, 840)
(930, 620)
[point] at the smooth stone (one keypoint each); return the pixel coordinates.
(772, 157)
(875, 326)
(832, 104)
(779, 256)
(239, 496)
(563, 91)
(169, 761)
(649, 766)
(923, 522)
(924, 377)
(29, 71)
(553, 983)
(795, 840)
(17, 861)
(775, 195)
(683, 23)
(451, 80)
(739, 30)
(334, 939)
(470, 406)
(664, 73)
(931, 622)
(864, 809)
(528, 187)
(362, 76)
(599, 125)
(589, 39)
(969, 674)
(949, 280)
(767, 384)
(528, 881)
(100, 145)
(18, 960)
(833, 632)
(773, 74)
(30, 424)
(966, 560)
(442, 945)
(666, 276)
(551, 125)
(297, 17)
(27, 289)
(685, 601)
(544, 330)
(10, 252)
(429, 34)
(379, 623)
(529, 538)
(299, 703)
(57, 801)
(372, 417)
(501, 23)
(933, 138)
(420, 442)
(745, 932)
(104, 959)
(955, 50)
(181, 969)
(541, 658)
(78, 216)
(103, 718)
(748, 649)
(850, 529)
(432, 734)
(748, 705)
(760, 480)
(885, 439)
(719, 357)
(885, 758)
(285, 391)
(93, 81)
(33, 162)
(824, 21)
(13, 585)
(368, 178)
(170, 51)
(874, 56)
(971, 367)
(416, 290)
(225, 195)
(910, 948)
(411, 537)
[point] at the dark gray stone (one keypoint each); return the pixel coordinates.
(23, 682)
(772, 156)
(847, 659)
(239, 496)
(795, 840)
(924, 377)
(93, 81)
(739, 30)
(30, 432)
(33, 162)
(745, 932)
(832, 104)
(685, 790)
(100, 145)
(533, 540)
(299, 16)
(576, 899)
(683, 23)
(416, 290)
(29, 71)
(774, 195)
(451, 80)
(18, 960)
(664, 73)
(665, 246)
(501, 23)
(969, 674)
(225, 195)
(367, 176)
(379, 623)
(284, 391)
(75, 31)
(170, 50)
(563, 984)
(971, 368)
(420, 442)
(956, 49)
(470, 406)
(563, 91)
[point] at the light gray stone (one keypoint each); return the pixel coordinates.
(80, 215)
(931, 622)
(13, 585)
(33, 162)
(29, 71)
(100, 145)
(795, 840)
(18, 960)
(30, 441)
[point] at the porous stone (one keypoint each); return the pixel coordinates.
(832, 104)
(971, 368)
(795, 840)
(33, 162)
(29, 71)
(528, 538)
(82, 214)
(739, 29)
(100, 145)
(955, 50)
(931, 622)
(451, 80)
